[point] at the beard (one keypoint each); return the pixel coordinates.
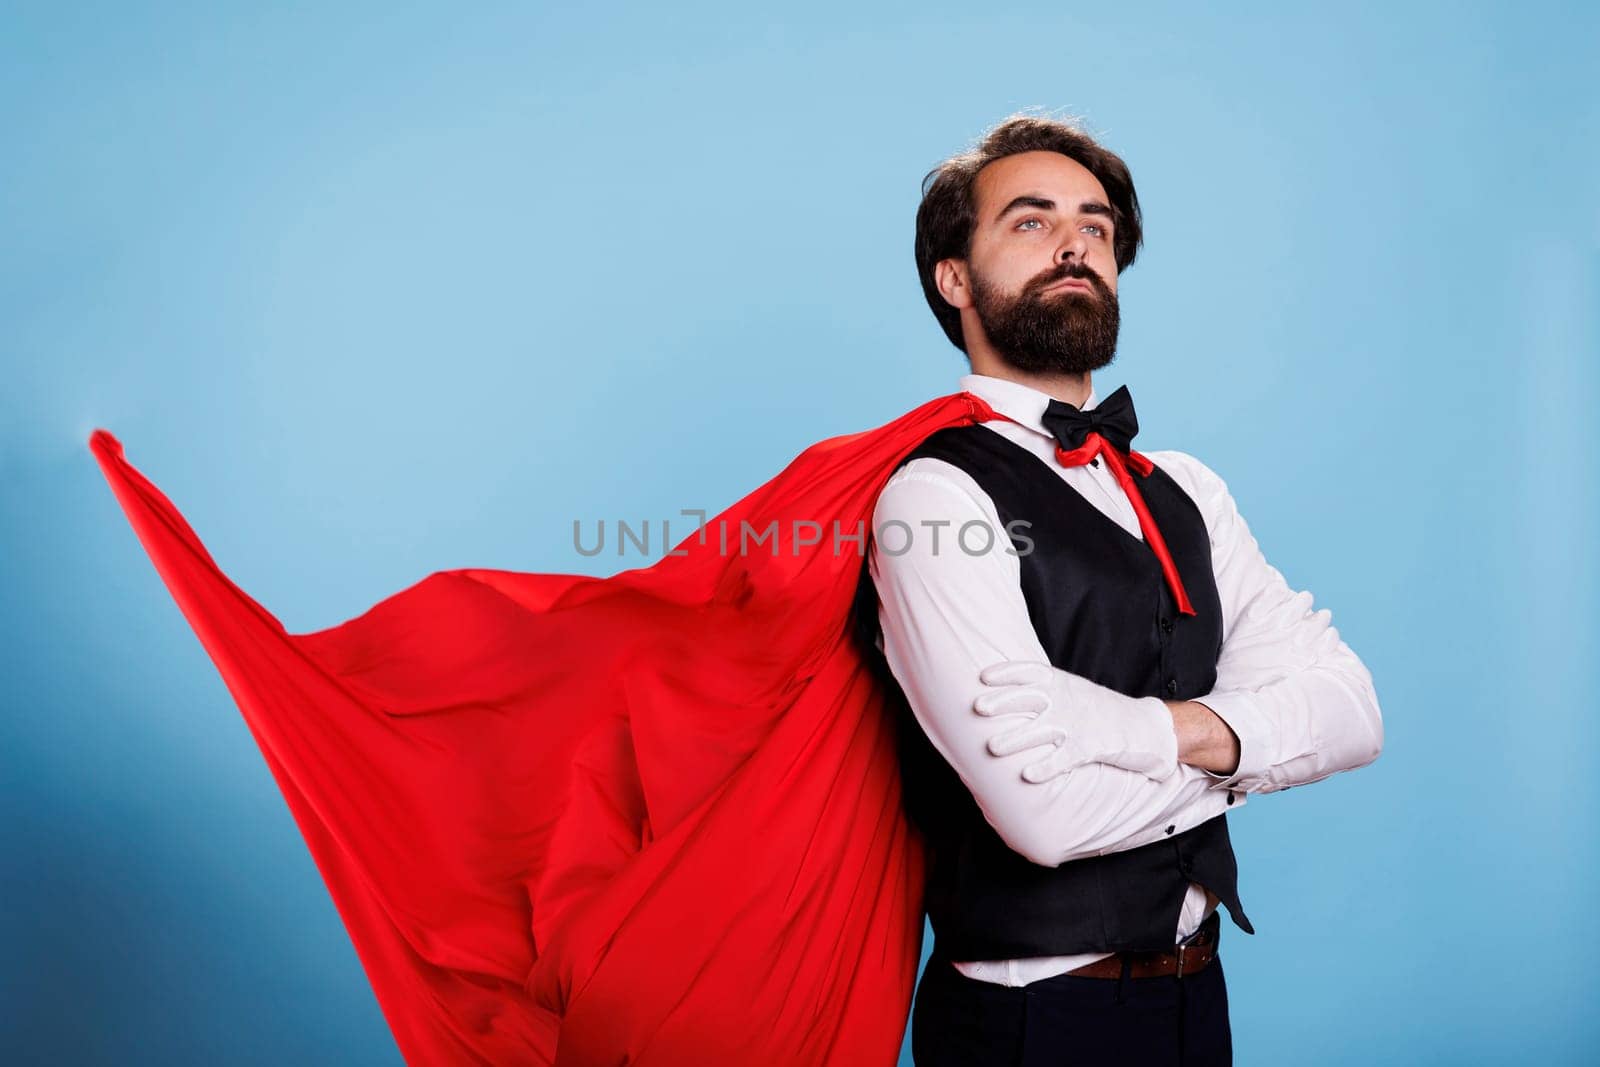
(1065, 332)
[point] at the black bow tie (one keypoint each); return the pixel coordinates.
(1112, 418)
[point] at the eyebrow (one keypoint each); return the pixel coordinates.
(1088, 207)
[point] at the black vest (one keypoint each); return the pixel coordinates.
(1100, 604)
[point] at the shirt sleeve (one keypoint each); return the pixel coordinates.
(951, 603)
(1300, 701)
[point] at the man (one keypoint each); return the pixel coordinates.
(1096, 660)
(658, 816)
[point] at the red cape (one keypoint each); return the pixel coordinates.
(651, 819)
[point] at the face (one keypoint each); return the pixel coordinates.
(1040, 282)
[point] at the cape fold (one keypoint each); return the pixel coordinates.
(650, 819)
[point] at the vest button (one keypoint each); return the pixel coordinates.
(1166, 626)
(1172, 686)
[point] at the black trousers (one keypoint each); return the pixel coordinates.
(1066, 1020)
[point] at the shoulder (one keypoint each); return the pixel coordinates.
(1204, 485)
(1186, 469)
(926, 486)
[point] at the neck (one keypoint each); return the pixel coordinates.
(1070, 388)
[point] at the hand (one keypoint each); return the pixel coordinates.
(1082, 722)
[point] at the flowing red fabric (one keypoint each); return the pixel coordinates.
(650, 819)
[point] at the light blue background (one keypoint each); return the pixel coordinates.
(379, 292)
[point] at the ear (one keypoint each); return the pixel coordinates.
(950, 275)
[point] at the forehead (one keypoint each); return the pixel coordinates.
(1047, 174)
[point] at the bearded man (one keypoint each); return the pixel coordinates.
(668, 816)
(1094, 660)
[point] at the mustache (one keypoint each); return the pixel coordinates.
(1070, 270)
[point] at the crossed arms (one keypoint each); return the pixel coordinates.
(1292, 703)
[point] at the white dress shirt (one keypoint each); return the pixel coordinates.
(1300, 701)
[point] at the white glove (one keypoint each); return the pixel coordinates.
(1082, 722)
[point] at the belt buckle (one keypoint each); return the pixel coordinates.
(1182, 952)
(1200, 939)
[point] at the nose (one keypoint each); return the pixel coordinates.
(1076, 247)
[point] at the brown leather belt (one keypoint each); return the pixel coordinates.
(1191, 955)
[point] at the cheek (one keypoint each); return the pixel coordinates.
(1013, 269)
(1106, 264)
(1035, 262)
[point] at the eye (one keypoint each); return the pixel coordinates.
(1095, 226)
(1030, 218)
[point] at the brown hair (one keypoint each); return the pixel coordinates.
(948, 212)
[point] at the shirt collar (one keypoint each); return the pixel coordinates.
(1021, 402)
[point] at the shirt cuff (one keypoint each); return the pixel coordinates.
(1152, 742)
(1250, 725)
